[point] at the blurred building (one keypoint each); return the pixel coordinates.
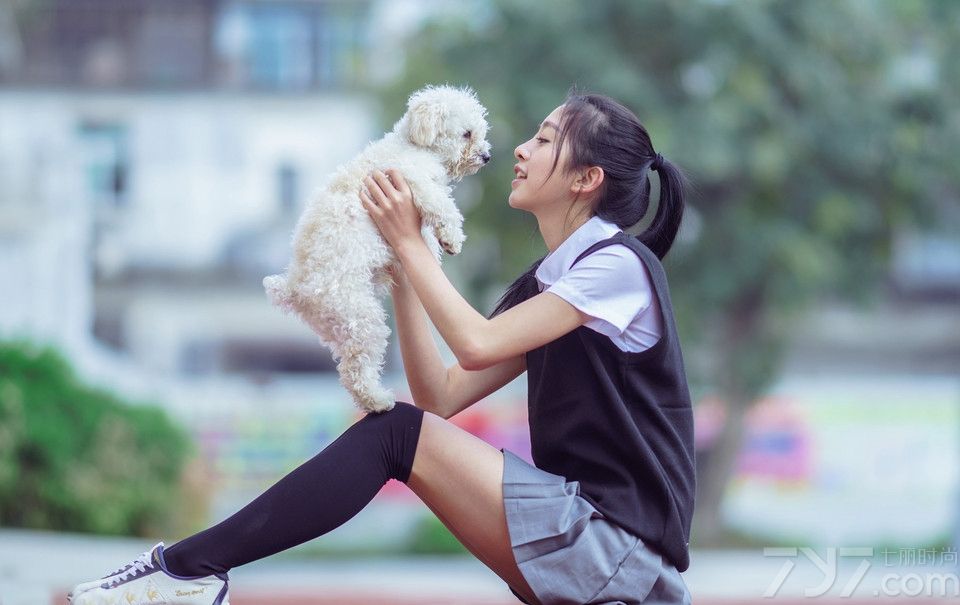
(187, 136)
(267, 45)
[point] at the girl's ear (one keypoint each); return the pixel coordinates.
(589, 180)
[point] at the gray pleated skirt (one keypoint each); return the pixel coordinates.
(569, 552)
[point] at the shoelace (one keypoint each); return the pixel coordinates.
(129, 565)
(116, 571)
(139, 565)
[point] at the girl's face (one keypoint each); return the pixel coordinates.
(532, 190)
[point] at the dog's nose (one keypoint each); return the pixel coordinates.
(485, 157)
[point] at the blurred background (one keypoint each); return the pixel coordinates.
(155, 156)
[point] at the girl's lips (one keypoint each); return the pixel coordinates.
(516, 182)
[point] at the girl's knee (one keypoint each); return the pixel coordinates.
(398, 432)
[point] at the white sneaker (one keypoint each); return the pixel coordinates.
(83, 586)
(146, 581)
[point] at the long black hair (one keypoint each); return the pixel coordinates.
(602, 132)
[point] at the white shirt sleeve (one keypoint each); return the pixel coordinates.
(610, 284)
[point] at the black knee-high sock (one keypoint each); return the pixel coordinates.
(316, 497)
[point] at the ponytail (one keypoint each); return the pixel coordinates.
(602, 132)
(661, 232)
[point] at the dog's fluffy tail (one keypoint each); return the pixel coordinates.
(278, 292)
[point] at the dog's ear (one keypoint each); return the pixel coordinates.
(424, 119)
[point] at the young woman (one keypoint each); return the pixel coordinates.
(604, 515)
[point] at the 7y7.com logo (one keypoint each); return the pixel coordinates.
(891, 584)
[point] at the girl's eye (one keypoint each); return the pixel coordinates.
(542, 140)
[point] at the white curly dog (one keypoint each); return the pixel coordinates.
(338, 270)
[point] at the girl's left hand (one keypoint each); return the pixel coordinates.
(389, 202)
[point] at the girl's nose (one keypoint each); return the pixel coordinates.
(519, 152)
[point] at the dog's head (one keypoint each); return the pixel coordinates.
(450, 122)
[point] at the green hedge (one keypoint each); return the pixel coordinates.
(76, 458)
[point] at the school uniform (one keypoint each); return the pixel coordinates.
(604, 516)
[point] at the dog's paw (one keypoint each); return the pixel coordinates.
(450, 248)
(451, 240)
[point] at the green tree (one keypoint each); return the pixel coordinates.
(812, 131)
(75, 458)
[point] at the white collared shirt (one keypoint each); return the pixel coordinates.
(610, 284)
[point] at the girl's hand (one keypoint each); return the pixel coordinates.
(389, 202)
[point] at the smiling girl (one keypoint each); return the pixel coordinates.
(603, 515)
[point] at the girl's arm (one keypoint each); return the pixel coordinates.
(476, 341)
(426, 374)
(442, 391)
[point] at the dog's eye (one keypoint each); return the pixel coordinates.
(467, 134)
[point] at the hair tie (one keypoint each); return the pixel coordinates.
(657, 163)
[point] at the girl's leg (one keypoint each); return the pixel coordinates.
(316, 497)
(460, 478)
(455, 473)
